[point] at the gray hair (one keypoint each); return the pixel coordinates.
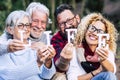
(15, 17)
(35, 6)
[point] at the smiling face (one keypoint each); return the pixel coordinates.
(39, 23)
(67, 19)
(24, 25)
(92, 31)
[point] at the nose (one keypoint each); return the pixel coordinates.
(39, 25)
(95, 32)
(67, 25)
(25, 28)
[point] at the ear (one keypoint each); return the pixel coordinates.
(78, 18)
(9, 30)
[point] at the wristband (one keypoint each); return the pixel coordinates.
(92, 74)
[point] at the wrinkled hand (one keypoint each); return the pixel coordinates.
(102, 53)
(15, 45)
(67, 52)
(45, 55)
(52, 52)
(42, 53)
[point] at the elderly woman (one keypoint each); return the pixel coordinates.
(91, 62)
(26, 64)
(39, 14)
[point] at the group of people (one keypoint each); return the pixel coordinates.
(28, 57)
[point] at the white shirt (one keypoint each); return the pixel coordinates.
(75, 68)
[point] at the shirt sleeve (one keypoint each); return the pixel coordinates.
(3, 44)
(75, 69)
(111, 58)
(19, 72)
(46, 73)
(3, 37)
(3, 49)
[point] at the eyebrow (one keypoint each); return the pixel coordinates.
(97, 28)
(70, 18)
(23, 23)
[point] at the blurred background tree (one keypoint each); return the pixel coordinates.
(82, 7)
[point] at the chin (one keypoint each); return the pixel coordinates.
(35, 35)
(92, 43)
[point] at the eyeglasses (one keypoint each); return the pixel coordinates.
(68, 21)
(36, 21)
(92, 28)
(21, 25)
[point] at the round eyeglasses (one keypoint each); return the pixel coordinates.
(22, 25)
(92, 28)
(68, 21)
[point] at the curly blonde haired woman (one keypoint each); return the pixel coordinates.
(86, 42)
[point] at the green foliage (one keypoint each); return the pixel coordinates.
(6, 6)
(93, 6)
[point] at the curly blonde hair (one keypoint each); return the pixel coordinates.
(93, 17)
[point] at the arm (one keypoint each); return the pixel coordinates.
(65, 56)
(109, 63)
(106, 59)
(75, 69)
(3, 49)
(89, 76)
(47, 73)
(10, 46)
(3, 44)
(61, 59)
(46, 56)
(48, 60)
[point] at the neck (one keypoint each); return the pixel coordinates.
(92, 47)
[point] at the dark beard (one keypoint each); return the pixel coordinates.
(64, 35)
(65, 32)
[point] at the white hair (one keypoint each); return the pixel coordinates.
(15, 16)
(37, 6)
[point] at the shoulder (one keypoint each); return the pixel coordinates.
(80, 53)
(111, 53)
(3, 36)
(56, 35)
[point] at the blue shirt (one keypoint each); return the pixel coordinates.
(22, 65)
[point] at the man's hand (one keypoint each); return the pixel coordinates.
(15, 45)
(66, 55)
(45, 55)
(67, 52)
(51, 53)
